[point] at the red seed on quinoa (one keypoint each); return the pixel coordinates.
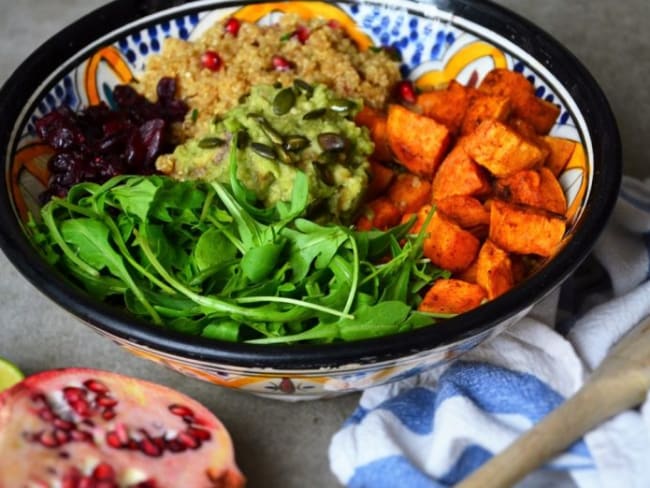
(334, 24)
(302, 34)
(232, 26)
(406, 91)
(281, 64)
(211, 60)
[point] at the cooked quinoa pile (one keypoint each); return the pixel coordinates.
(316, 51)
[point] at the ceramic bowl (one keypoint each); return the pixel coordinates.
(439, 41)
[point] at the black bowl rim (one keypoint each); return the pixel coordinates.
(566, 67)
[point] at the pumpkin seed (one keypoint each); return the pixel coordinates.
(315, 114)
(284, 101)
(263, 150)
(331, 141)
(270, 132)
(242, 139)
(342, 105)
(283, 155)
(303, 87)
(295, 143)
(211, 142)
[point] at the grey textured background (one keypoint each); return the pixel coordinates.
(278, 444)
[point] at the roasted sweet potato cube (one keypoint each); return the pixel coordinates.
(525, 230)
(452, 296)
(537, 188)
(375, 121)
(380, 178)
(502, 150)
(525, 105)
(379, 213)
(448, 246)
(447, 106)
(458, 174)
(409, 192)
(420, 217)
(494, 270)
(485, 107)
(418, 142)
(560, 151)
(466, 211)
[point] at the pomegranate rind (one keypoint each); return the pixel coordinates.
(55, 422)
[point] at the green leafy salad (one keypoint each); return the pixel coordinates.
(201, 258)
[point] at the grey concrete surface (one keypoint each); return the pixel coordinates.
(278, 444)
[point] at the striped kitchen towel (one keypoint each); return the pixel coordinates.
(432, 430)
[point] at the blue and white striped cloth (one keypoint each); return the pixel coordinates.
(434, 429)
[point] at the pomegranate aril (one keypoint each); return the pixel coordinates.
(406, 91)
(232, 26)
(333, 24)
(81, 408)
(61, 436)
(48, 439)
(81, 436)
(204, 435)
(97, 386)
(211, 60)
(46, 414)
(188, 441)
(302, 34)
(113, 440)
(103, 472)
(72, 393)
(175, 446)
(181, 410)
(280, 63)
(106, 401)
(59, 423)
(148, 447)
(109, 414)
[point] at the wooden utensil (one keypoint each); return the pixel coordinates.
(619, 383)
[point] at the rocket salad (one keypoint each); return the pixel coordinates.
(200, 258)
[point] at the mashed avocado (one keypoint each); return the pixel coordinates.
(281, 131)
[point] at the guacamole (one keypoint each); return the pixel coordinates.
(280, 131)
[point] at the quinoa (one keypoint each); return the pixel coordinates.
(328, 56)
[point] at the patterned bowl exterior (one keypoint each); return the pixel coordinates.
(436, 47)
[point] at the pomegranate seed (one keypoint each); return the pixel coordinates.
(211, 60)
(103, 472)
(181, 410)
(73, 394)
(113, 440)
(406, 91)
(334, 24)
(149, 448)
(302, 34)
(71, 478)
(108, 414)
(188, 441)
(61, 436)
(132, 445)
(59, 423)
(81, 407)
(201, 434)
(48, 439)
(105, 484)
(96, 386)
(280, 63)
(46, 414)
(106, 401)
(86, 482)
(81, 436)
(232, 26)
(174, 446)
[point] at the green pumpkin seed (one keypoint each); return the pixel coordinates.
(263, 150)
(315, 114)
(242, 139)
(342, 105)
(295, 143)
(284, 101)
(331, 141)
(303, 87)
(274, 136)
(211, 142)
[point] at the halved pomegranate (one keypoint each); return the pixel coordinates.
(83, 428)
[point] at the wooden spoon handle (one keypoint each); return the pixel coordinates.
(621, 382)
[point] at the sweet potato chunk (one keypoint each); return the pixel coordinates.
(379, 213)
(418, 142)
(561, 151)
(537, 188)
(525, 104)
(452, 296)
(448, 246)
(380, 178)
(466, 211)
(485, 107)
(458, 174)
(446, 106)
(375, 121)
(409, 192)
(494, 271)
(525, 230)
(502, 150)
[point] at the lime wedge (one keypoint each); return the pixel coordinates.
(9, 374)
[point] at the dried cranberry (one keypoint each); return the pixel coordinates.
(166, 88)
(125, 96)
(232, 26)
(406, 91)
(211, 60)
